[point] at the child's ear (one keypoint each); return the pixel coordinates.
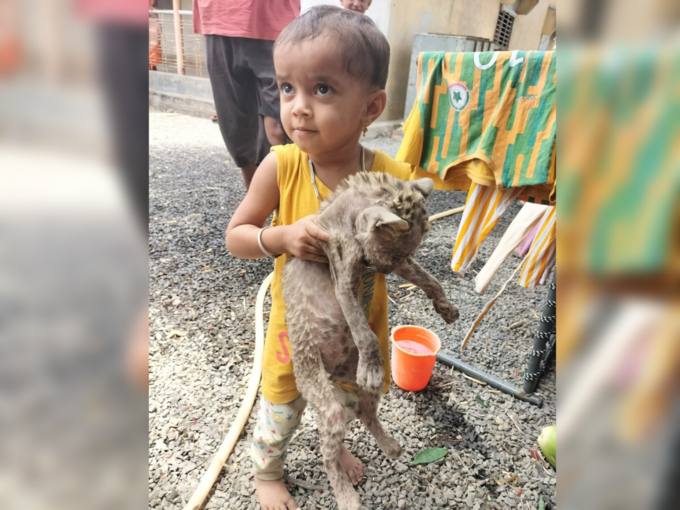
(374, 108)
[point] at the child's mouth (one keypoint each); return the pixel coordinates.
(303, 132)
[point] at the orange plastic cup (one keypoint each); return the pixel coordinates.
(412, 372)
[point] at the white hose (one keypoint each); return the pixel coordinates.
(236, 428)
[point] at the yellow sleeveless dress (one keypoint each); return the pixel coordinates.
(297, 200)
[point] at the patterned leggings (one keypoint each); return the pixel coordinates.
(276, 424)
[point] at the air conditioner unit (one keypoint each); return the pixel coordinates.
(521, 6)
(525, 6)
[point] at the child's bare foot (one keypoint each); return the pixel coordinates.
(352, 466)
(273, 495)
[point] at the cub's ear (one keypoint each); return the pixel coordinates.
(376, 216)
(424, 185)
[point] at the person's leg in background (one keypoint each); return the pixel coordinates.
(236, 101)
(122, 52)
(124, 77)
(275, 133)
(261, 62)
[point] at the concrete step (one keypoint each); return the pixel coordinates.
(175, 84)
(181, 103)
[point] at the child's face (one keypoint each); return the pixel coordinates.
(356, 5)
(323, 108)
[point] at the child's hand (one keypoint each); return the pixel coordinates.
(302, 240)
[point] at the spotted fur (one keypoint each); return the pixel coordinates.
(404, 198)
(375, 222)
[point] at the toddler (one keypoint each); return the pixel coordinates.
(331, 67)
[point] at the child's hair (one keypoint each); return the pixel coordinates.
(365, 50)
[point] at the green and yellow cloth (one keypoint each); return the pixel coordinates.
(485, 118)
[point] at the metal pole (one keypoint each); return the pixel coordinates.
(489, 379)
(179, 45)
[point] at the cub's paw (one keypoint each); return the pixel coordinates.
(447, 311)
(370, 376)
(348, 499)
(390, 447)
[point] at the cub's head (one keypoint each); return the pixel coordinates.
(391, 230)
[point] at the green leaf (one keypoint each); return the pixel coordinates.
(541, 504)
(429, 455)
(479, 399)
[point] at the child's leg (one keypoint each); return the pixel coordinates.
(276, 424)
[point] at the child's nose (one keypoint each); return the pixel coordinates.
(302, 107)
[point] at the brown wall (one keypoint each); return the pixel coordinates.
(452, 17)
(526, 32)
(476, 18)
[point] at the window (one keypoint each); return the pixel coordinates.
(503, 29)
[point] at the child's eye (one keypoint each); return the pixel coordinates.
(286, 89)
(323, 90)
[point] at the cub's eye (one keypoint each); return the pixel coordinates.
(323, 90)
(286, 89)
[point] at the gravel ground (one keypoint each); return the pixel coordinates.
(202, 302)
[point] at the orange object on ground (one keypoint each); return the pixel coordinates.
(410, 371)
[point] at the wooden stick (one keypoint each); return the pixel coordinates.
(474, 380)
(461, 462)
(514, 421)
(446, 213)
(516, 324)
(488, 306)
(443, 385)
(511, 479)
(234, 433)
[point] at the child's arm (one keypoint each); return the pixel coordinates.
(299, 239)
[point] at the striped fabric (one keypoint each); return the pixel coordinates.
(483, 209)
(488, 118)
(541, 256)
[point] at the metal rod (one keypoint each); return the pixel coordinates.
(179, 45)
(489, 379)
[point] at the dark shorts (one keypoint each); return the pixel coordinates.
(244, 87)
(124, 75)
